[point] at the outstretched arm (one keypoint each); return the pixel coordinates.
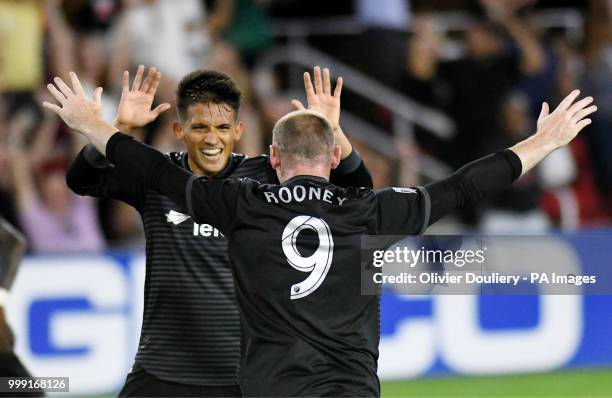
(532, 58)
(491, 174)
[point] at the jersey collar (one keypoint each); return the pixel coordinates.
(305, 178)
(233, 162)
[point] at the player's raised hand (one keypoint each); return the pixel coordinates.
(555, 129)
(76, 110)
(566, 121)
(320, 96)
(79, 112)
(135, 107)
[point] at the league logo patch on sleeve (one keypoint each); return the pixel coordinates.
(404, 190)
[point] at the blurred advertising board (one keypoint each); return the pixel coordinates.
(79, 316)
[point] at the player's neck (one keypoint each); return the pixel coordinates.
(193, 167)
(302, 170)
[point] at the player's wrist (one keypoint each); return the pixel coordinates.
(544, 143)
(98, 132)
(122, 126)
(343, 142)
(346, 151)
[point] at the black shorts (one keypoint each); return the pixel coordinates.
(139, 383)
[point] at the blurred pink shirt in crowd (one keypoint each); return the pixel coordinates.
(77, 232)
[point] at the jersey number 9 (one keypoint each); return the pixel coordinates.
(317, 263)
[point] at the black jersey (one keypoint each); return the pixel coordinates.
(190, 330)
(307, 329)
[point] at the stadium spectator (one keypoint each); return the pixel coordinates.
(21, 35)
(171, 35)
(21, 57)
(384, 38)
(598, 80)
(472, 89)
(83, 51)
(243, 23)
(90, 16)
(54, 219)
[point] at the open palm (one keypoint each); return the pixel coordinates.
(567, 120)
(320, 97)
(135, 107)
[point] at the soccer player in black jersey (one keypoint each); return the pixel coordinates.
(307, 330)
(190, 339)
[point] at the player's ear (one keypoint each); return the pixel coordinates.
(239, 130)
(177, 129)
(336, 156)
(274, 157)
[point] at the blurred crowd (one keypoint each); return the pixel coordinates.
(494, 92)
(489, 77)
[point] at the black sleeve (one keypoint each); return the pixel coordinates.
(351, 172)
(402, 211)
(473, 182)
(91, 174)
(210, 201)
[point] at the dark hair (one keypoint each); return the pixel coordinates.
(304, 135)
(207, 86)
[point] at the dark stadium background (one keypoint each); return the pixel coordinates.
(429, 85)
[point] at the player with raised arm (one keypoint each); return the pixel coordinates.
(308, 330)
(190, 339)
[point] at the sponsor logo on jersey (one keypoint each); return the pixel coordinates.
(176, 218)
(205, 230)
(404, 190)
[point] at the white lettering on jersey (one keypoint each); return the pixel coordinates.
(299, 193)
(206, 230)
(314, 192)
(270, 197)
(327, 196)
(284, 194)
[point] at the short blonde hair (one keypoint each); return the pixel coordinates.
(304, 135)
